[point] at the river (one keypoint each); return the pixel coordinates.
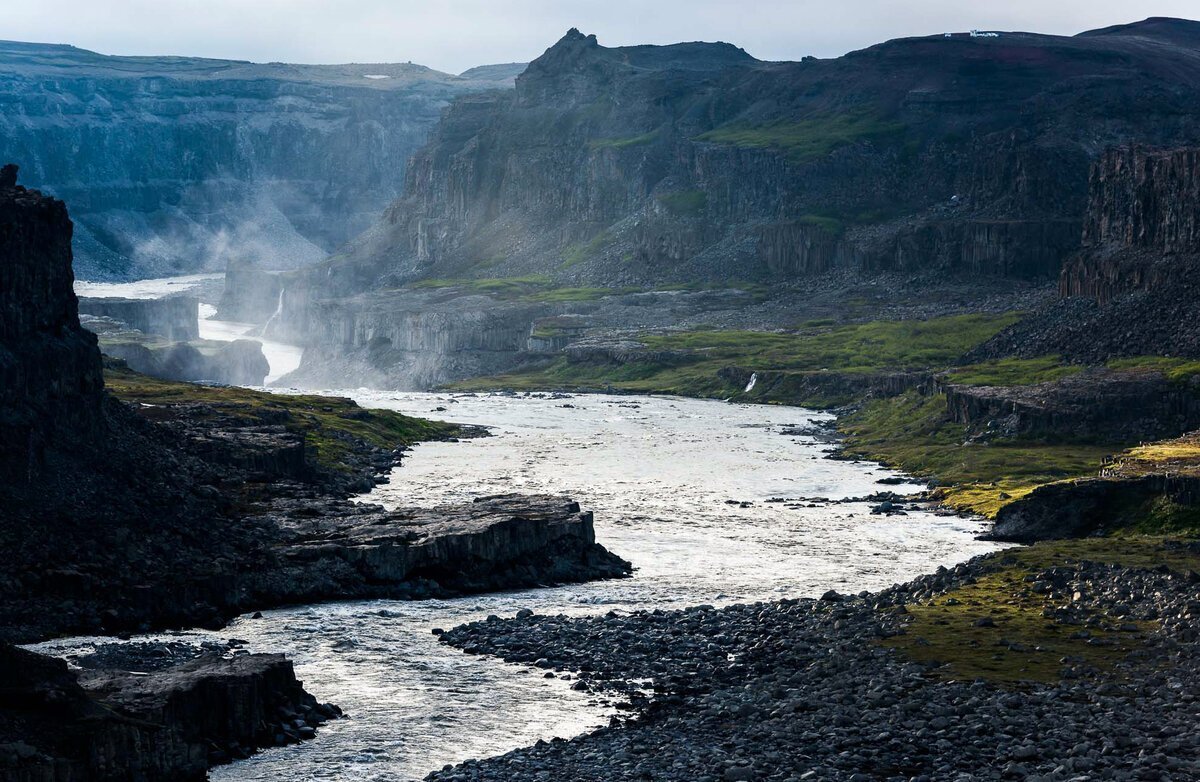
(281, 357)
(687, 490)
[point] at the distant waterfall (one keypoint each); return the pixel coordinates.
(746, 390)
(279, 311)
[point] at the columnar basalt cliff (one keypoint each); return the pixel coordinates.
(692, 164)
(1134, 286)
(1143, 223)
(272, 163)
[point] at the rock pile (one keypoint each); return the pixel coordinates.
(807, 690)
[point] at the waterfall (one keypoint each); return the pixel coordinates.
(278, 311)
(750, 385)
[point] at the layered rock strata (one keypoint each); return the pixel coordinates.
(694, 164)
(174, 318)
(1097, 405)
(177, 164)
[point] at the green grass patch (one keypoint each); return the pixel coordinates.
(944, 630)
(624, 142)
(830, 225)
(578, 253)
(862, 347)
(914, 433)
(576, 294)
(325, 422)
(1013, 372)
(811, 138)
(685, 203)
(698, 356)
(1021, 645)
(1179, 370)
(505, 286)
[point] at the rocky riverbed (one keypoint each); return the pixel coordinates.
(813, 690)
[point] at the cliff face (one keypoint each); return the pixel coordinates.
(1142, 226)
(637, 165)
(273, 163)
(1133, 288)
(51, 386)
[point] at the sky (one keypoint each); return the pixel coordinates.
(453, 35)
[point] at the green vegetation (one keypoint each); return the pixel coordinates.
(914, 433)
(578, 253)
(1162, 515)
(1178, 370)
(623, 143)
(495, 285)
(684, 203)
(326, 422)
(1013, 372)
(830, 225)
(534, 287)
(811, 138)
(1023, 643)
(576, 294)
(856, 348)
(699, 356)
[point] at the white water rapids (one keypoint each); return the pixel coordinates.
(680, 487)
(283, 358)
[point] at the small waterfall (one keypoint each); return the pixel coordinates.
(274, 315)
(750, 385)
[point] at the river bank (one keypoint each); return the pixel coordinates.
(1085, 669)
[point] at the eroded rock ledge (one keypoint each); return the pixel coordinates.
(169, 724)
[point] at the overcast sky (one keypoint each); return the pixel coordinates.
(453, 35)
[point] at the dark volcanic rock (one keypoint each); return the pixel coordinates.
(1100, 405)
(1134, 287)
(51, 388)
(961, 157)
(170, 725)
(805, 690)
(504, 541)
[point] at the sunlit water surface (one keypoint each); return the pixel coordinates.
(659, 474)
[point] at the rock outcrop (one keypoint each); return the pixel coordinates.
(239, 362)
(1098, 405)
(174, 318)
(51, 387)
(168, 725)
(176, 164)
(1134, 286)
(501, 542)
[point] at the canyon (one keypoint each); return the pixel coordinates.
(979, 251)
(273, 164)
(674, 171)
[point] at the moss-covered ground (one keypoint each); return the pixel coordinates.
(699, 356)
(914, 433)
(325, 422)
(812, 137)
(1024, 640)
(1013, 372)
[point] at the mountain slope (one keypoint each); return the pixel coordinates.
(642, 165)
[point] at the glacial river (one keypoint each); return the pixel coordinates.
(681, 488)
